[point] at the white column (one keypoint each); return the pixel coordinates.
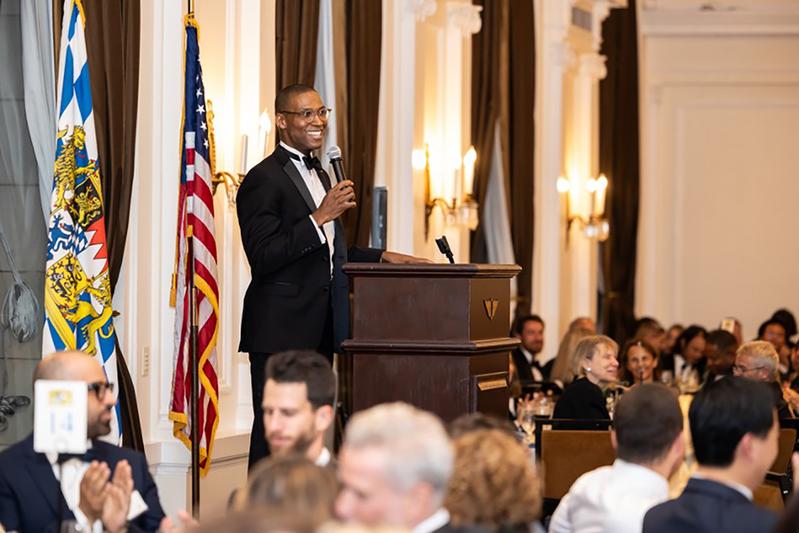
(397, 117)
(555, 56)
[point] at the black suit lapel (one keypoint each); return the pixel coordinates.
(294, 175)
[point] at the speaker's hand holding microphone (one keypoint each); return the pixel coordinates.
(340, 197)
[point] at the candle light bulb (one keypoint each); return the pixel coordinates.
(563, 185)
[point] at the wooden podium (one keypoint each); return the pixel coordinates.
(435, 336)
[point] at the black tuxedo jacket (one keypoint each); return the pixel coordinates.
(30, 495)
(708, 506)
(525, 370)
(291, 291)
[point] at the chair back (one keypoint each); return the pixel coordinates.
(568, 454)
(787, 441)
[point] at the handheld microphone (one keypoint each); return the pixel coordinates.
(334, 153)
(443, 247)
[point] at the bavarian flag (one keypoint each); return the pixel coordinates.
(77, 287)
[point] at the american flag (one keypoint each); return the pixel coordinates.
(195, 211)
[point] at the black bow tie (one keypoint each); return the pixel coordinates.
(312, 163)
(87, 457)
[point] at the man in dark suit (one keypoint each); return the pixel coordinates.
(31, 496)
(288, 210)
(530, 331)
(734, 432)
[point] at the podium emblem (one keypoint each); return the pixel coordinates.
(491, 305)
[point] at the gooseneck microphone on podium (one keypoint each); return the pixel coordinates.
(443, 247)
(334, 153)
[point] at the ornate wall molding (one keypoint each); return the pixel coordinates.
(465, 17)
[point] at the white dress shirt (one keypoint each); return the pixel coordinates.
(610, 499)
(317, 190)
(537, 375)
(324, 457)
(433, 522)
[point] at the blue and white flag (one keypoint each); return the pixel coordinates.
(77, 291)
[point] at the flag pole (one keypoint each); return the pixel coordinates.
(195, 377)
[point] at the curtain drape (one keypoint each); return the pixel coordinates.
(112, 43)
(487, 52)
(38, 73)
(364, 34)
(325, 76)
(619, 159)
(503, 98)
(296, 31)
(521, 138)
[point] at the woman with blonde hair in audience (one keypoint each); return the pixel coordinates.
(493, 483)
(638, 362)
(597, 367)
(289, 485)
(563, 369)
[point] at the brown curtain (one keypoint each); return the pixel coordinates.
(112, 44)
(503, 89)
(364, 34)
(488, 47)
(619, 160)
(521, 122)
(296, 31)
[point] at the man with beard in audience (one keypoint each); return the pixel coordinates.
(297, 403)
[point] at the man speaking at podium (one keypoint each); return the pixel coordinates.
(289, 211)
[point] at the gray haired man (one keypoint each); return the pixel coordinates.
(394, 467)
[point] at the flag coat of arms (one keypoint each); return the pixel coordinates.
(195, 220)
(77, 289)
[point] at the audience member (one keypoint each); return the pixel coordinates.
(394, 467)
(689, 361)
(793, 377)
(583, 322)
(584, 399)
(758, 360)
(672, 335)
(290, 485)
(648, 440)
(92, 495)
(734, 430)
(650, 330)
(259, 520)
(493, 483)
(720, 349)
(563, 368)
(788, 321)
(479, 421)
(297, 404)
(638, 362)
(773, 331)
(530, 331)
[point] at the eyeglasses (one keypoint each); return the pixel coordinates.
(738, 369)
(99, 388)
(308, 114)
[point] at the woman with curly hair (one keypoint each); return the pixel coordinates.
(493, 483)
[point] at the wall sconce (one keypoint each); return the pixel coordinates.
(461, 209)
(232, 181)
(595, 226)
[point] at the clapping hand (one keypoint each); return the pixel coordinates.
(93, 490)
(117, 500)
